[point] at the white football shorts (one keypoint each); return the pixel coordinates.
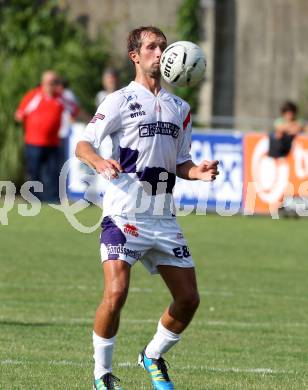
(152, 241)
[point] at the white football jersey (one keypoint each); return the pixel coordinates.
(150, 136)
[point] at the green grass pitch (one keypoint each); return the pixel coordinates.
(251, 331)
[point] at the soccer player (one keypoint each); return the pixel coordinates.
(151, 134)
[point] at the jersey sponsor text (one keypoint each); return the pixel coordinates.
(163, 128)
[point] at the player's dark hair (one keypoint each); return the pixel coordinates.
(289, 106)
(134, 39)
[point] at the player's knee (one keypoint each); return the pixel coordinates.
(194, 301)
(116, 299)
(190, 301)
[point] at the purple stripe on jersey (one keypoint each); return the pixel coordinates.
(128, 159)
(112, 236)
(155, 176)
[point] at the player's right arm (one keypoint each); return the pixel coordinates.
(106, 121)
(86, 153)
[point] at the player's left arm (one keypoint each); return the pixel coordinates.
(206, 170)
(186, 168)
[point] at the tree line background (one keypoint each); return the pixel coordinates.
(36, 35)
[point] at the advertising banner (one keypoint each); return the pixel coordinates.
(249, 181)
(267, 180)
(225, 194)
(82, 180)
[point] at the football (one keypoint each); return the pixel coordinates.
(182, 64)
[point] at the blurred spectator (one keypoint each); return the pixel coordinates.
(285, 129)
(71, 107)
(72, 112)
(110, 83)
(69, 115)
(40, 111)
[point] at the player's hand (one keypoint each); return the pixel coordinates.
(109, 168)
(207, 170)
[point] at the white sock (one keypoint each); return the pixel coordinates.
(103, 349)
(162, 341)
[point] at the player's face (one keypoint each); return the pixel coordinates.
(150, 52)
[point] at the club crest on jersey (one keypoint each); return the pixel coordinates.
(131, 229)
(96, 117)
(136, 108)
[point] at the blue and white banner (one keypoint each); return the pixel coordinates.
(82, 180)
(225, 193)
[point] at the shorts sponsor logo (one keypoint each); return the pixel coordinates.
(96, 117)
(121, 249)
(179, 236)
(131, 229)
(163, 128)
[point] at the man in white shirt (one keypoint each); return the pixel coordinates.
(151, 133)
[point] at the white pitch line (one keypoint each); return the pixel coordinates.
(216, 369)
(68, 363)
(10, 362)
(61, 287)
(238, 370)
(219, 293)
(253, 324)
(48, 362)
(140, 290)
(227, 323)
